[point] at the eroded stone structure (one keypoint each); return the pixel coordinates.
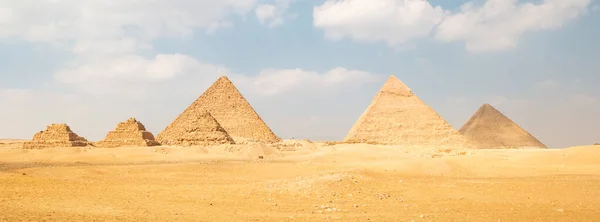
(56, 135)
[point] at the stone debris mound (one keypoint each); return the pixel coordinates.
(231, 110)
(260, 151)
(56, 135)
(396, 116)
(194, 128)
(128, 133)
(489, 128)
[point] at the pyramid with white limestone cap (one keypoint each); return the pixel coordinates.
(489, 128)
(396, 116)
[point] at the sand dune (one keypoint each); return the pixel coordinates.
(344, 182)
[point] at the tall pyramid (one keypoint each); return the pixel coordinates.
(396, 116)
(128, 133)
(489, 128)
(231, 110)
(55, 135)
(194, 128)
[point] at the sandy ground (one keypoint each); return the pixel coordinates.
(317, 182)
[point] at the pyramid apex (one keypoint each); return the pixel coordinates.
(223, 78)
(394, 85)
(486, 105)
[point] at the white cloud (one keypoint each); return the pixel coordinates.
(108, 37)
(109, 46)
(50, 20)
(132, 75)
(493, 26)
(273, 15)
(498, 24)
(277, 81)
(392, 21)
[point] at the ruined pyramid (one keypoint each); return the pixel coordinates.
(396, 116)
(231, 110)
(128, 133)
(194, 128)
(55, 135)
(489, 128)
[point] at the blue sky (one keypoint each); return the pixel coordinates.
(309, 68)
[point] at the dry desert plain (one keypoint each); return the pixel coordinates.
(316, 182)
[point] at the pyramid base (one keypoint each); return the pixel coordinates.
(119, 143)
(206, 142)
(510, 147)
(43, 145)
(440, 145)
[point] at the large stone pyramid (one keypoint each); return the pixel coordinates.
(128, 133)
(396, 116)
(489, 128)
(194, 128)
(55, 135)
(231, 110)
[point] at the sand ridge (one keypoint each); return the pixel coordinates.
(314, 182)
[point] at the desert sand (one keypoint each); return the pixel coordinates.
(298, 181)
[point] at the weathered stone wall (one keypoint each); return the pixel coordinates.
(231, 110)
(396, 116)
(194, 128)
(55, 135)
(489, 128)
(128, 133)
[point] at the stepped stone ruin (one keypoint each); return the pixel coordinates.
(231, 110)
(194, 128)
(55, 135)
(396, 116)
(489, 128)
(128, 133)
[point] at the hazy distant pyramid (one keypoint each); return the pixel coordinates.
(489, 128)
(231, 110)
(194, 128)
(129, 133)
(398, 117)
(55, 135)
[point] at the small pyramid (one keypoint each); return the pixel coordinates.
(396, 116)
(55, 135)
(489, 128)
(128, 133)
(231, 110)
(194, 128)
